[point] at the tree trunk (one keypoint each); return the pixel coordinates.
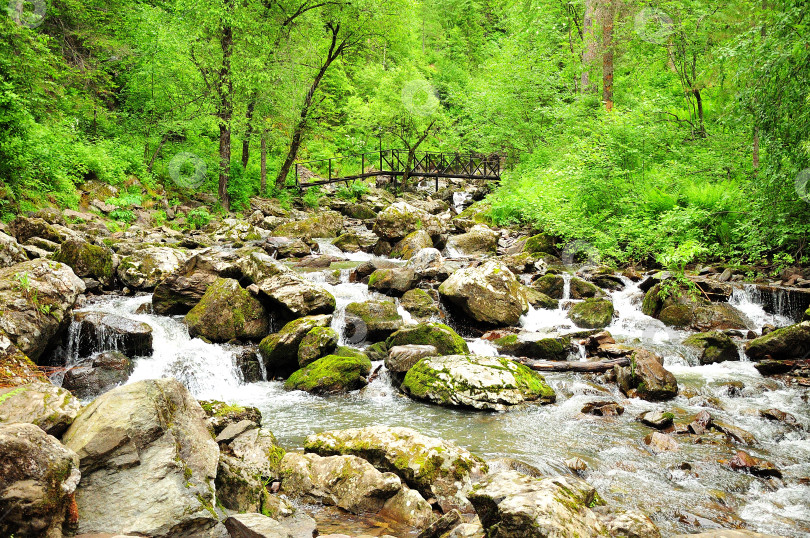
(699, 101)
(607, 54)
(163, 140)
(225, 115)
(263, 180)
(248, 134)
(589, 54)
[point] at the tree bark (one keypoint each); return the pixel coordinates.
(589, 54)
(225, 113)
(607, 54)
(248, 133)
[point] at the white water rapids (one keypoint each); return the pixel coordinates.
(687, 490)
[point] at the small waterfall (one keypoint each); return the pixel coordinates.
(771, 306)
(461, 199)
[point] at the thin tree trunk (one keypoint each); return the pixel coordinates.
(248, 133)
(607, 54)
(699, 100)
(263, 180)
(589, 54)
(225, 115)
(157, 151)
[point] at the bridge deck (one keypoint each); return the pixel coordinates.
(393, 163)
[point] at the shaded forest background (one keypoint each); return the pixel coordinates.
(659, 132)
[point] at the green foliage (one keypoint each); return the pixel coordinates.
(353, 192)
(312, 197)
(198, 218)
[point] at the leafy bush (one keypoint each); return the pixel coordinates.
(353, 192)
(312, 197)
(198, 218)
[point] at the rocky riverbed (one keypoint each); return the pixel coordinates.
(389, 367)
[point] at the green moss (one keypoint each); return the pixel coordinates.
(330, 374)
(443, 338)
(216, 408)
(378, 275)
(539, 244)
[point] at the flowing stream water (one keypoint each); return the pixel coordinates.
(686, 490)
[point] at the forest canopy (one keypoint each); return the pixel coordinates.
(655, 131)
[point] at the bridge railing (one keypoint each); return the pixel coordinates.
(394, 162)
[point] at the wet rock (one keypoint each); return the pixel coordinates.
(443, 338)
(660, 442)
(407, 506)
(489, 294)
(261, 526)
(280, 350)
(221, 415)
(15, 368)
(38, 477)
(411, 244)
(442, 526)
(609, 282)
(683, 309)
(331, 375)
(551, 285)
(317, 262)
(700, 423)
(318, 342)
(656, 419)
(249, 462)
(727, 533)
(353, 241)
(325, 224)
(394, 281)
(626, 524)
(11, 251)
(295, 295)
(144, 268)
(429, 263)
(51, 408)
(742, 461)
(88, 260)
(400, 219)
(436, 468)
(149, 432)
(486, 383)
(36, 296)
(577, 465)
(98, 374)
(713, 347)
(592, 313)
(99, 331)
(419, 304)
(603, 409)
(510, 504)
(372, 320)
(226, 312)
(539, 299)
(534, 345)
(581, 289)
(777, 415)
(738, 434)
(596, 341)
(646, 378)
(782, 344)
(539, 244)
(248, 360)
(400, 359)
(285, 247)
(479, 241)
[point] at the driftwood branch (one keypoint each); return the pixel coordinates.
(574, 366)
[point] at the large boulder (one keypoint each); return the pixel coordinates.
(436, 468)
(582, 289)
(139, 443)
(443, 338)
(98, 374)
(679, 307)
(491, 383)
(295, 295)
(479, 241)
(38, 477)
(11, 251)
(88, 260)
(356, 241)
(298, 525)
(330, 375)
(489, 294)
(592, 313)
(36, 297)
(429, 263)
(99, 331)
(145, 268)
(400, 359)
(713, 347)
(539, 244)
(551, 285)
(782, 344)
(372, 320)
(25, 228)
(325, 224)
(42, 404)
(15, 368)
(419, 304)
(227, 311)
(646, 378)
(511, 504)
(534, 345)
(400, 219)
(279, 351)
(394, 281)
(411, 244)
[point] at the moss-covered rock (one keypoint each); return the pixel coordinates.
(393, 281)
(98, 374)
(15, 368)
(419, 304)
(678, 306)
(582, 289)
(400, 219)
(411, 244)
(806, 315)
(538, 299)
(331, 374)
(487, 383)
(318, 342)
(280, 350)
(355, 242)
(646, 378)
(479, 241)
(489, 293)
(88, 260)
(592, 313)
(221, 414)
(551, 285)
(144, 268)
(325, 224)
(791, 342)
(227, 311)
(713, 347)
(11, 251)
(443, 338)
(534, 345)
(539, 244)
(42, 404)
(372, 320)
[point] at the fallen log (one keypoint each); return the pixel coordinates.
(574, 366)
